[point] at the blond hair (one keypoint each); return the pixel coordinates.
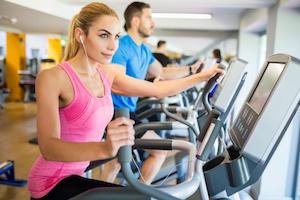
(84, 20)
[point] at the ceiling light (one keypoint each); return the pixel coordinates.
(11, 20)
(182, 16)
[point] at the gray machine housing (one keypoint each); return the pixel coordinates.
(256, 133)
(225, 95)
(224, 98)
(235, 75)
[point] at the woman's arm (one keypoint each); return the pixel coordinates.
(48, 90)
(128, 86)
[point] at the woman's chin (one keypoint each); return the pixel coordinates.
(104, 61)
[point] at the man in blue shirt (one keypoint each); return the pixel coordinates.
(138, 61)
(137, 58)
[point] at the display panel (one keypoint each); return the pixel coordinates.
(265, 86)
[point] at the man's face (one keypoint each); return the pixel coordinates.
(163, 47)
(146, 25)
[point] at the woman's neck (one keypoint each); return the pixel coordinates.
(83, 64)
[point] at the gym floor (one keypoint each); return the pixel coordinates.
(17, 126)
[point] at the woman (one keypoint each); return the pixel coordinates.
(75, 106)
(217, 56)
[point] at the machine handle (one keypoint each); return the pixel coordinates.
(200, 68)
(125, 152)
(208, 87)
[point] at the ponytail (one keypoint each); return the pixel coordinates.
(72, 46)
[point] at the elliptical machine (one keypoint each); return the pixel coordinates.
(254, 141)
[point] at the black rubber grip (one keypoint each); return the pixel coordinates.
(124, 154)
(121, 113)
(200, 68)
(160, 144)
(140, 129)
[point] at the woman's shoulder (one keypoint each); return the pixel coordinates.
(54, 74)
(111, 70)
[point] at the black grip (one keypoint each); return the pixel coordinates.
(141, 129)
(122, 113)
(200, 68)
(161, 144)
(124, 154)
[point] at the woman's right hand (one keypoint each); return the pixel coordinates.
(119, 133)
(212, 71)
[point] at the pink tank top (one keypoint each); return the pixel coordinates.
(83, 120)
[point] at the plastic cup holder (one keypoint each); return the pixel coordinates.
(239, 172)
(213, 163)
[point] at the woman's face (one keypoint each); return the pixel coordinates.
(103, 39)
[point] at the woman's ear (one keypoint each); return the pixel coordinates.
(79, 35)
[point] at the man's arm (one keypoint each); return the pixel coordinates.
(168, 73)
(128, 86)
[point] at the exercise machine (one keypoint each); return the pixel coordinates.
(7, 175)
(255, 135)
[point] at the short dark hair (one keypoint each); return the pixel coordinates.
(160, 43)
(132, 10)
(217, 53)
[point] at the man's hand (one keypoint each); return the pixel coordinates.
(209, 73)
(197, 65)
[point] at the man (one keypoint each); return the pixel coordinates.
(160, 55)
(138, 60)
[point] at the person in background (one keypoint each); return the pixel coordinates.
(160, 53)
(217, 56)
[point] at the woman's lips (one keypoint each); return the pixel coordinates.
(107, 55)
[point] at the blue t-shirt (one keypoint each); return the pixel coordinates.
(136, 59)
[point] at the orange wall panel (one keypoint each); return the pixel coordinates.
(15, 60)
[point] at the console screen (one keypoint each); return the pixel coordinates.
(265, 86)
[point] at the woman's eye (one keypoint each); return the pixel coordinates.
(117, 37)
(104, 35)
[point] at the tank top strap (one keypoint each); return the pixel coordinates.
(106, 81)
(76, 83)
(66, 67)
